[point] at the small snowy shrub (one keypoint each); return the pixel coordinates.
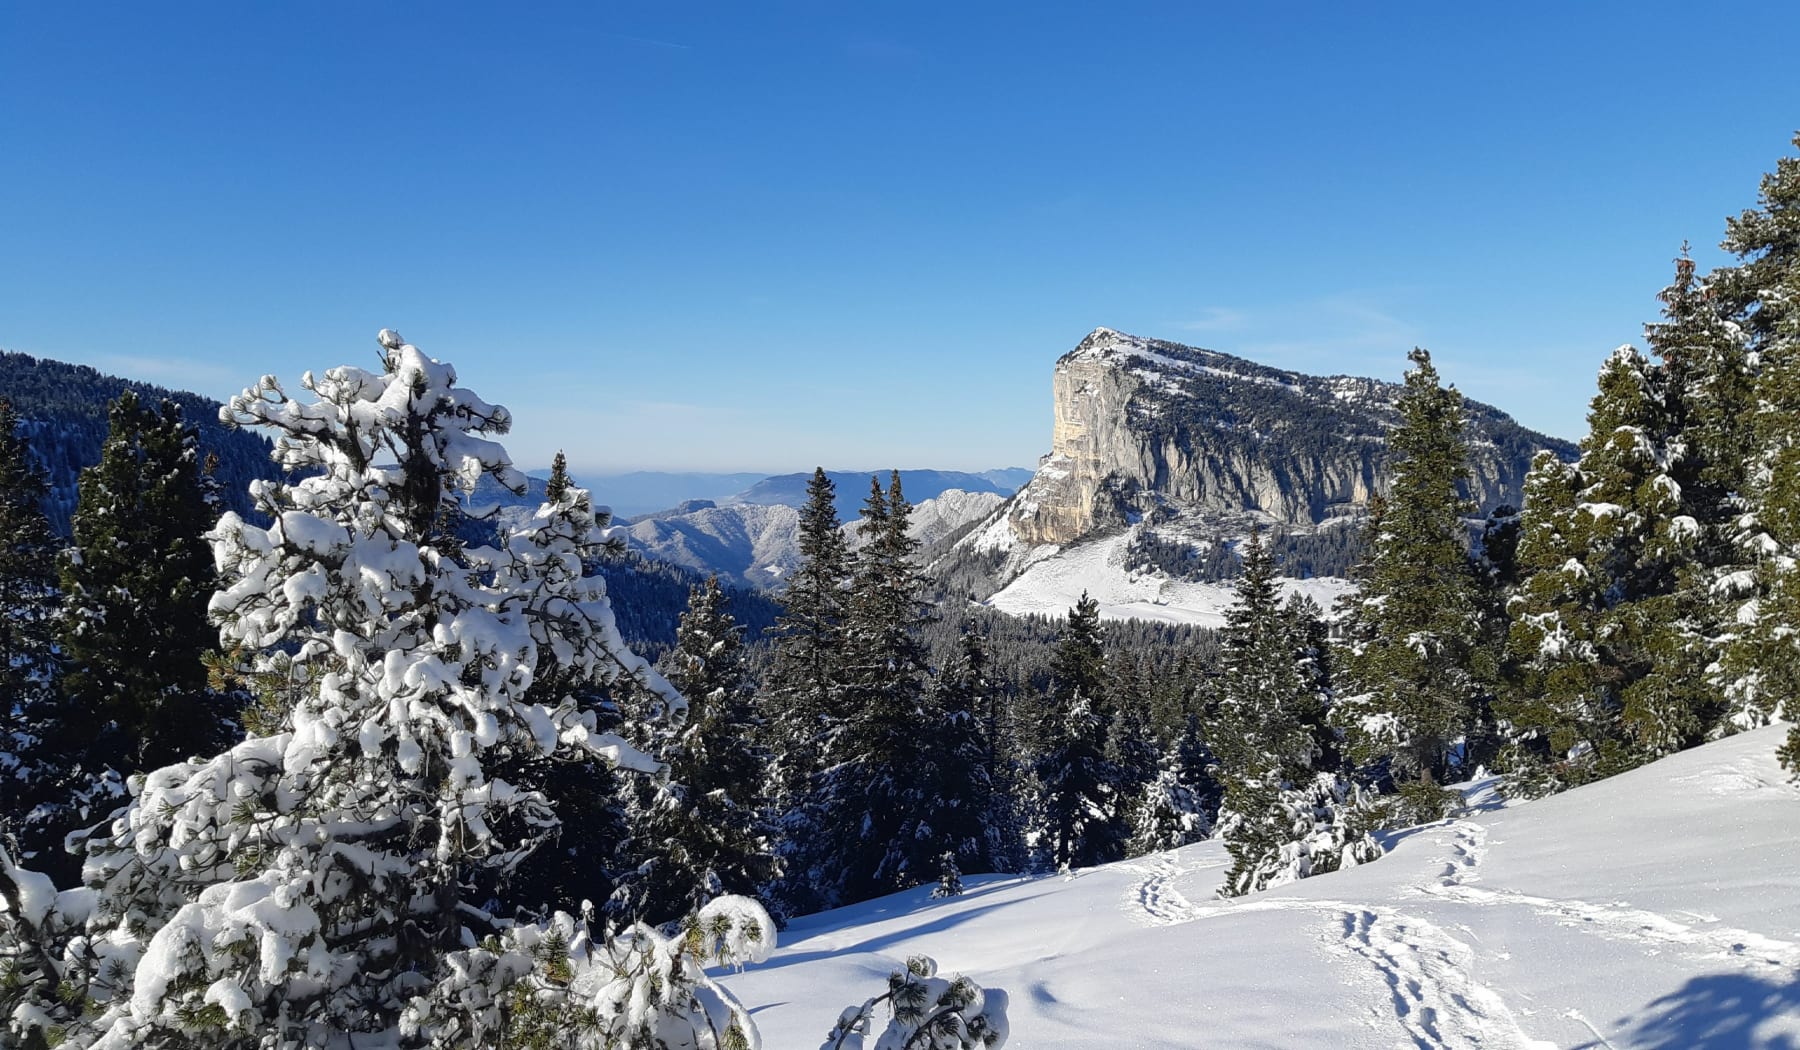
(928, 1012)
(1279, 836)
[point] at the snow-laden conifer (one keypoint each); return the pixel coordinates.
(974, 814)
(1416, 667)
(1079, 818)
(1180, 804)
(38, 769)
(314, 883)
(1288, 812)
(704, 832)
(1760, 670)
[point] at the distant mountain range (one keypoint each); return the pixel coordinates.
(757, 544)
(645, 492)
(641, 492)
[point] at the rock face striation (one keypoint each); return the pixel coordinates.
(1143, 423)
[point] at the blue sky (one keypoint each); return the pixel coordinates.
(767, 236)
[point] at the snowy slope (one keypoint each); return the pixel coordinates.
(1657, 909)
(1054, 578)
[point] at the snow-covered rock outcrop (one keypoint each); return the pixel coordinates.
(1142, 421)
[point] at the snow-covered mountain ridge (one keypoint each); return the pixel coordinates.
(1657, 909)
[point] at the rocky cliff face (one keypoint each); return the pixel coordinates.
(1142, 423)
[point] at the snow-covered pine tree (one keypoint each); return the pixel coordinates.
(1269, 714)
(1415, 667)
(803, 695)
(969, 683)
(971, 814)
(1131, 746)
(305, 887)
(1760, 670)
(1559, 719)
(1642, 542)
(1710, 375)
(1181, 804)
(135, 583)
(583, 859)
(871, 807)
(1080, 819)
(36, 769)
(1286, 814)
(705, 831)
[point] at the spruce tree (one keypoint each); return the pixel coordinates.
(37, 766)
(583, 859)
(704, 833)
(1181, 803)
(1561, 721)
(871, 806)
(135, 585)
(972, 812)
(1416, 669)
(804, 690)
(1132, 747)
(1080, 820)
(1287, 813)
(803, 697)
(1760, 670)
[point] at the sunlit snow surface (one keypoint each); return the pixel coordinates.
(1660, 908)
(1054, 580)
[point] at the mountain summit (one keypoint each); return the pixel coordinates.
(1143, 421)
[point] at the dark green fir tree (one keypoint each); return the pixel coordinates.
(872, 805)
(704, 832)
(1080, 818)
(1760, 671)
(1287, 812)
(36, 765)
(974, 766)
(1416, 668)
(133, 629)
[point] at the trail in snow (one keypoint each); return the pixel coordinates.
(1427, 971)
(1155, 897)
(1620, 921)
(1434, 995)
(1469, 845)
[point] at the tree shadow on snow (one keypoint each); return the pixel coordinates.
(880, 943)
(1724, 1011)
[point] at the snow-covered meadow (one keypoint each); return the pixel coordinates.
(1659, 908)
(1053, 580)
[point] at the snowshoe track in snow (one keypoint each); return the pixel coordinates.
(1427, 971)
(1623, 922)
(1468, 845)
(1157, 899)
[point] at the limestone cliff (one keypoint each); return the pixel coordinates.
(1143, 422)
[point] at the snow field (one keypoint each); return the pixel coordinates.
(1660, 908)
(1050, 586)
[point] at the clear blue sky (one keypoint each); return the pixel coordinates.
(765, 236)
